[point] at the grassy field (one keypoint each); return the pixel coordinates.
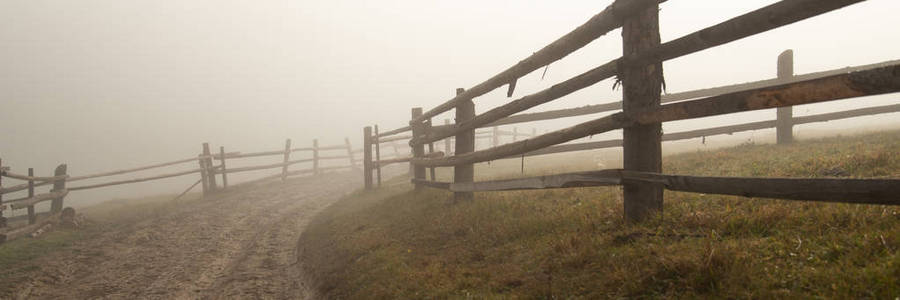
(573, 243)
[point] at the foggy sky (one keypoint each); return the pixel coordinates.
(109, 84)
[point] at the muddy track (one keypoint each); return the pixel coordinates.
(235, 245)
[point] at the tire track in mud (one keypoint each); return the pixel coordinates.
(240, 244)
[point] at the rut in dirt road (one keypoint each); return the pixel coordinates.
(239, 244)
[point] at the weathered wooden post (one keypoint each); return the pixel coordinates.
(367, 157)
(418, 130)
(204, 182)
(315, 159)
(495, 141)
(58, 185)
(32, 217)
(641, 91)
(224, 170)
(784, 122)
(427, 131)
(350, 153)
(377, 163)
(210, 171)
(465, 143)
(287, 158)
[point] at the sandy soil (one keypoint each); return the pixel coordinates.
(237, 245)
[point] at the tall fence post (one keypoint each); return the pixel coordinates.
(784, 122)
(427, 131)
(287, 158)
(315, 156)
(204, 182)
(224, 170)
(641, 91)
(60, 184)
(350, 153)
(367, 157)
(210, 171)
(32, 218)
(465, 143)
(418, 129)
(377, 142)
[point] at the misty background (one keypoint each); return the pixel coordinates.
(108, 84)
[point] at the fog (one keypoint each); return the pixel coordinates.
(105, 85)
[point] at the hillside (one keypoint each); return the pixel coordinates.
(573, 243)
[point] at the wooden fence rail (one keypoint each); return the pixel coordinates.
(645, 110)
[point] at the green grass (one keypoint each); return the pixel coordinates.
(573, 243)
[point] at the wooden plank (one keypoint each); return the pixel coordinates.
(385, 162)
(38, 199)
(336, 147)
(9, 174)
(263, 167)
(761, 20)
(569, 180)
(394, 138)
(105, 174)
(848, 114)
(93, 186)
(395, 131)
(333, 157)
(258, 154)
(607, 20)
(842, 190)
(863, 83)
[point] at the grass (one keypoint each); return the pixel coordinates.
(573, 243)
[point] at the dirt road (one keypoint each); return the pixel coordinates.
(236, 245)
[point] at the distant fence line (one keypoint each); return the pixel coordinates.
(207, 169)
(644, 109)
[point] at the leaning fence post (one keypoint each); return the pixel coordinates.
(315, 156)
(224, 171)
(32, 218)
(208, 165)
(58, 185)
(641, 91)
(287, 158)
(377, 163)
(367, 157)
(784, 122)
(465, 143)
(418, 130)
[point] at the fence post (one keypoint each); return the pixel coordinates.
(641, 91)
(210, 171)
(222, 161)
(418, 129)
(465, 143)
(315, 156)
(204, 182)
(427, 131)
(350, 153)
(377, 143)
(784, 122)
(32, 218)
(367, 157)
(58, 185)
(287, 158)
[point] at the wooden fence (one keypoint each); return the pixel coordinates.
(642, 112)
(208, 171)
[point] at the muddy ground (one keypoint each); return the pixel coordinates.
(239, 244)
